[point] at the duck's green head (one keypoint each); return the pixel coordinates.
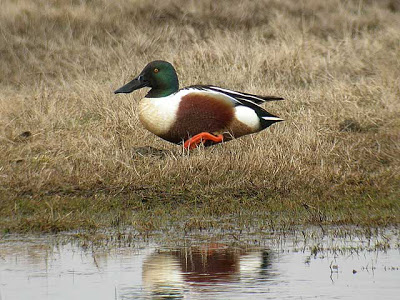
(159, 75)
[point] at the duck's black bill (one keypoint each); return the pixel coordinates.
(135, 84)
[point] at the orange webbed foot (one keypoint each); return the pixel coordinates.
(201, 138)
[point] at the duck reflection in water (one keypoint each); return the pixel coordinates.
(202, 268)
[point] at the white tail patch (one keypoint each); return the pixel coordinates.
(272, 119)
(247, 116)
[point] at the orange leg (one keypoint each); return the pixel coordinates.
(202, 137)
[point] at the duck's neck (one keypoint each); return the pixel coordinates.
(161, 92)
(164, 86)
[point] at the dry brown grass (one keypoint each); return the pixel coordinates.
(336, 159)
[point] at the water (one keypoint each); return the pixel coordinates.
(283, 268)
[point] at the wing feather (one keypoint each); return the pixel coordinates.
(237, 95)
(243, 99)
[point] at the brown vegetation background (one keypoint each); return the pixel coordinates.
(68, 145)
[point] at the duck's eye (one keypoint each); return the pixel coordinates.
(156, 70)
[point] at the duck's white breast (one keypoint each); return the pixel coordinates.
(159, 114)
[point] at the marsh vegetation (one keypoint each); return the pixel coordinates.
(68, 146)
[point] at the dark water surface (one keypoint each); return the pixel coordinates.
(288, 267)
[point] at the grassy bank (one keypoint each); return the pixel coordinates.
(71, 151)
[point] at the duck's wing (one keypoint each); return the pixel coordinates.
(242, 99)
(240, 96)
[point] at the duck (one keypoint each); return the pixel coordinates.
(198, 114)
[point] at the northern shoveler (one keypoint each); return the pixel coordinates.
(196, 114)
